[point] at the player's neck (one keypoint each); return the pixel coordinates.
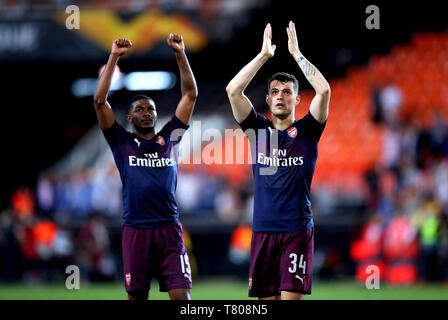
(282, 124)
(146, 136)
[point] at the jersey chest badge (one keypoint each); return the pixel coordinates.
(160, 141)
(292, 132)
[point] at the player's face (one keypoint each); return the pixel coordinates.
(282, 99)
(143, 115)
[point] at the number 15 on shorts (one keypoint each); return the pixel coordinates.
(185, 266)
(302, 263)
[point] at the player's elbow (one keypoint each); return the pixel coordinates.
(98, 101)
(229, 89)
(232, 91)
(325, 92)
(192, 95)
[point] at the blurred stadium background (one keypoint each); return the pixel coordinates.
(380, 191)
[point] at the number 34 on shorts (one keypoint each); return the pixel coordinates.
(294, 266)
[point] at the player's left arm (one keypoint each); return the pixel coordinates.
(187, 81)
(320, 103)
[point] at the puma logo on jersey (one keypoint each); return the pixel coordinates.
(138, 142)
(301, 279)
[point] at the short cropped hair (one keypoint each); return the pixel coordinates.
(284, 77)
(137, 97)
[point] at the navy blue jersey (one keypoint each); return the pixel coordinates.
(148, 172)
(283, 172)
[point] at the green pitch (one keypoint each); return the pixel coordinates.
(224, 290)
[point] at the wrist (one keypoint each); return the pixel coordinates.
(297, 55)
(264, 56)
(114, 55)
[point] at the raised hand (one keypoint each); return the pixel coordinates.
(120, 46)
(293, 45)
(268, 48)
(175, 41)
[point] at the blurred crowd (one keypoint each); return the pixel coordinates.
(407, 232)
(37, 246)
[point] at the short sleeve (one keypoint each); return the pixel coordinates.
(115, 135)
(312, 127)
(176, 126)
(254, 121)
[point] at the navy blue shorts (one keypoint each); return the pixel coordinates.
(159, 252)
(281, 262)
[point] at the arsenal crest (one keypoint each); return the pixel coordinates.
(160, 141)
(292, 132)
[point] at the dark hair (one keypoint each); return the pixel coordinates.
(284, 77)
(137, 97)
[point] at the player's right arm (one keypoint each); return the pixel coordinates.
(102, 107)
(241, 105)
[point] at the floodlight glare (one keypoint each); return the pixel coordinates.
(150, 80)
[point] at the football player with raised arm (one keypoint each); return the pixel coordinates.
(283, 228)
(152, 236)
